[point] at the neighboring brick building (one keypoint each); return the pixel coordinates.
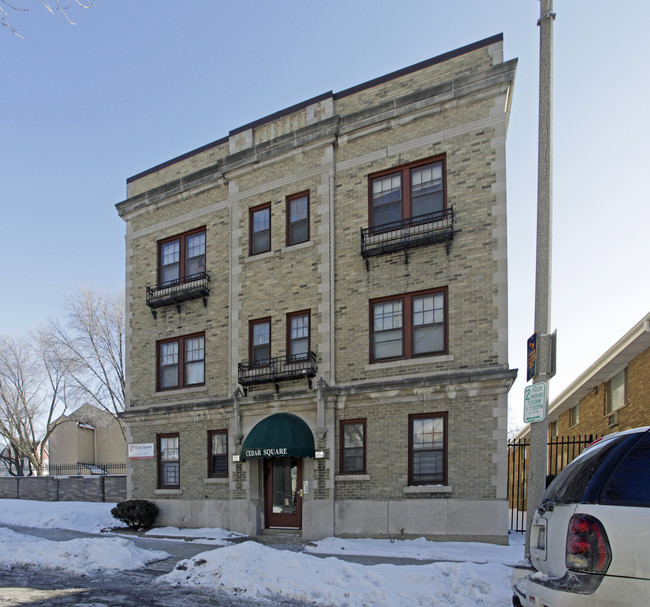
(613, 394)
(317, 313)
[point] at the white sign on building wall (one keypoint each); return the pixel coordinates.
(140, 451)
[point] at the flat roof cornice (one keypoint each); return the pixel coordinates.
(349, 91)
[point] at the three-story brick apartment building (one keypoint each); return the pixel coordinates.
(317, 313)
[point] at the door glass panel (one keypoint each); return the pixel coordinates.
(285, 486)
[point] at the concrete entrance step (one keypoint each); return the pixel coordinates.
(287, 539)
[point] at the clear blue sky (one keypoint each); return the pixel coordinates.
(134, 84)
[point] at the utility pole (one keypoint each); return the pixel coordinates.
(543, 369)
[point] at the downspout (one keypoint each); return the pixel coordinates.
(332, 276)
(237, 414)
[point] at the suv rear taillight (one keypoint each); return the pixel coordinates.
(587, 546)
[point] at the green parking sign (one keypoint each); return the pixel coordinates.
(535, 403)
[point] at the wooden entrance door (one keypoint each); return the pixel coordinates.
(283, 492)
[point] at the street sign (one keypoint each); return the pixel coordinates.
(531, 358)
(535, 403)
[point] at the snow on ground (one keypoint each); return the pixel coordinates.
(88, 517)
(80, 556)
(207, 535)
(467, 574)
(255, 571)
(422, 549)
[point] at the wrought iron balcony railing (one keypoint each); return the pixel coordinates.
(407, 234)
(275, 370)
(173, 292)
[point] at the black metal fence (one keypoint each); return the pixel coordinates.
(280, 368)
(80, 469)
(561, 451)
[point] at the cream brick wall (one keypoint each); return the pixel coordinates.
(177, 170)
(430, 76)
(457, 107)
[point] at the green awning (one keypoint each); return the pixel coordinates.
(279, 435)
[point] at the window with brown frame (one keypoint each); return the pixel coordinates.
(410, 191)
(409, 325)
(298, 332)
(428, 449)
(260, 229)
(181, 362)
(259, 341)
(181, 257)
(297, 218)
(353, 446)
(217, 453)
(168, 461)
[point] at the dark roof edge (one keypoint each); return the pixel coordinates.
(167, 163)
(421, 65)
(349, 91)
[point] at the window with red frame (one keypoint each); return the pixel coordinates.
(218, 453)
(181, 362)
(168, 461)
(297, 218)
(181, 257)
(353, 446)
(411, 191)
(409, 325)
(428, 449)
(298, 335)
(260, 341)
(260, 229)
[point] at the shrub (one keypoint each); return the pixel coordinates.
(137, 514)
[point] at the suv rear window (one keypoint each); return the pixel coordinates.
(569, 486)
(629, 483)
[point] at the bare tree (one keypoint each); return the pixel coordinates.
(91, 347)
(53, 6)
(32, 397)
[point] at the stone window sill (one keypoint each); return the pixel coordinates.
(216, 481)
(258, 256)
(409, 362)
(168, 492)
(296, 247)
(428, 489)
(181, 391)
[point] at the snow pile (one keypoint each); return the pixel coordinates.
(257, 571)
(80, 556)
(207, 535)
(466, 574)
(87, 517)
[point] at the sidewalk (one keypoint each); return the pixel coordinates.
(185, 548)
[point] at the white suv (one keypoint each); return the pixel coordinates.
(590, 538)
